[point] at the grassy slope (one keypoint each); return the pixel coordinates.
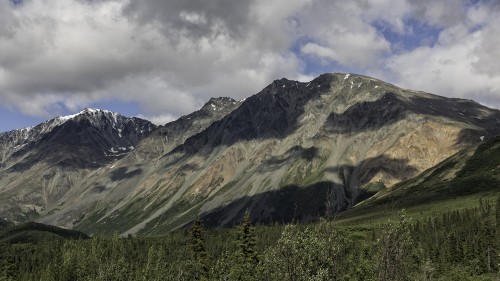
(32, 232)
(458, 182)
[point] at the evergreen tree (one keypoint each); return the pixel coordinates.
(247, 241)
(199, 253)
(246, 256)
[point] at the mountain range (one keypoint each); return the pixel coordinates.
(294, 151)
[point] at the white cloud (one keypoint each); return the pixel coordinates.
(172, 56)
(161, 119)
(193, 18)
(444, 13)
(342, 34)
(461, 64)
(320, 51)
(90, 51)
(488, 51)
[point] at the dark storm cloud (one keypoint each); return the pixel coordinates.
(198, 18)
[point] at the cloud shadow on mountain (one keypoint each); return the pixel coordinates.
(274, 114)
(287, 204)
(123, 173)
(295, 153)
(271, 114)
(367, 169)
(366, 116)
(63, 157)
(307, 203)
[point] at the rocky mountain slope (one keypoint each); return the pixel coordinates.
(165, 138)
(459, 181)
(39, 165)
(293, 151)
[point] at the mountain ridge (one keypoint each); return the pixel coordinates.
(56, 155)
(331, 136)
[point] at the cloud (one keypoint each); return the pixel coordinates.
(444, 13)
(168, 56)
(161, 119)
(341, 33)
(487, 50)
(171, 56)
(462, 63)
(194, 18)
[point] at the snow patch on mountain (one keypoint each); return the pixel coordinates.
(115, 130)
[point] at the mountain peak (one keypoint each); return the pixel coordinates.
(217, 104)
(94, 110)
(86, 111)
(330, 136)
(106, 131)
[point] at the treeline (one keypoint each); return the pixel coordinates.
(458, 245)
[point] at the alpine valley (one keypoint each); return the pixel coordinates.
(293, 152)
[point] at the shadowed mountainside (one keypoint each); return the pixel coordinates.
(347, 130)
(343, 131)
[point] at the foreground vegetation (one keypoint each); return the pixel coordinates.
(458, 245)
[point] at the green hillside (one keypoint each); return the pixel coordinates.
(32, 232)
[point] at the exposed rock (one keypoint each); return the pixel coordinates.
(279, 153)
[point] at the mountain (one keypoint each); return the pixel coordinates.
(100, 133)
(39, 165)
(165, 138)
(294, 151)
(459, 181)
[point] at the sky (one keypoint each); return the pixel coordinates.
(161, 59)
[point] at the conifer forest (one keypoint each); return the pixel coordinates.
(458, 245)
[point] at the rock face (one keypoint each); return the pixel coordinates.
(468, 176)
(100, 133)
(42, 163)
(293, 151)
(167, 137)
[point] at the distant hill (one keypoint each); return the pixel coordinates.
(458, 182)
(32, 232)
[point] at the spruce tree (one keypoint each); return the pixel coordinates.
(199, 253)
(246, 256)
(247, 241)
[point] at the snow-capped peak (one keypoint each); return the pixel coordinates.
(50, 124)
(89, 111)
(121, 131)
(67, 117)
